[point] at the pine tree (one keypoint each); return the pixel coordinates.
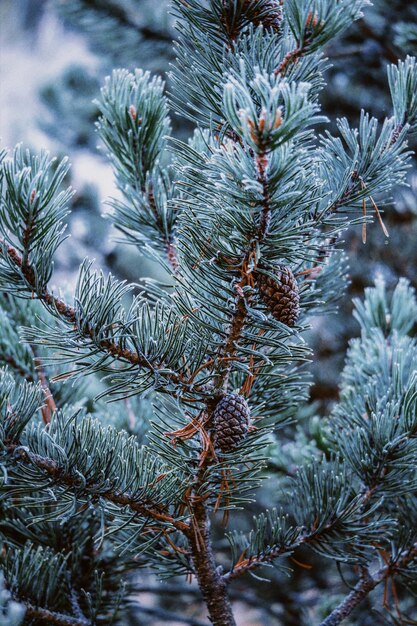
(205, 374)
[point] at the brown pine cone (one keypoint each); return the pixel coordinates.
(272, 15)
(231, 421)
(280, 294)
(268, 13)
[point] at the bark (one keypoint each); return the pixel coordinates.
(367, 583)
(210, 580)
(51, 617)
(345, 608)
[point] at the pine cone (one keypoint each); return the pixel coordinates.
(280, 294)
(268, 13)
(231, 421)
(272, 17)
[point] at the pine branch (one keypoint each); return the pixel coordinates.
(251, 563)
(379, 441)
(32, 210)
(96, 469)
(52, 617)
(63, 310)
(211, 582)
(402, 79)
(261, 134)
(134, 125)
(51, 468)
(348, 534)
(366, 584)
(370, 162)
(22, 359)
(314, 25)
(18, 405)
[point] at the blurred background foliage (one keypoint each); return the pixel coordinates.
(55, 55)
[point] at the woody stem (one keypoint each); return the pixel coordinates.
(210, 580)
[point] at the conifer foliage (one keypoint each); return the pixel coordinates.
(245, 216)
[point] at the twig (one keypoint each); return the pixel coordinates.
(49, 407)
(51, 617)
(291, 57)
(366, 584)
(358, 593)
(261, 166)
(75, 602)
(248, 564)
(172, 255)
(228, 350)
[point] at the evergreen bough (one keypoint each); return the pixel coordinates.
(86, 502)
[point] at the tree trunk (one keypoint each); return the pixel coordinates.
(212, 585)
